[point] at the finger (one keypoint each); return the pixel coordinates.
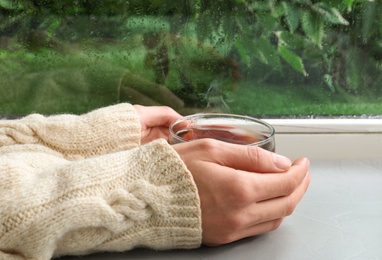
(249, 158)
(261, 228)
(155, 133)
(254, 230)
(270, 186)
(277, 208)
(156, 115)
(272, 214)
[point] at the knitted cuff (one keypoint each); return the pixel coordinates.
(101, 131)
(171, 217)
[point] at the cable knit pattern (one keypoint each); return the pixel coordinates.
(52, 205)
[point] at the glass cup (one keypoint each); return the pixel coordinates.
(237, 129)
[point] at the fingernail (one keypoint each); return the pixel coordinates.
(281, 162)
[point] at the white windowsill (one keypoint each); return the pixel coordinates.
(328, 138)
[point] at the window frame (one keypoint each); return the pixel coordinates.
(328, 139)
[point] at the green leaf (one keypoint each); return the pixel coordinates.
(260, 6)
(266, 53)
(292, 59)
(349, 4)
(329, 82)
(268, 22)
(292, 16)
(9, 4)
(290, 40)
(313, 27)
(244, 54)
(331, 14)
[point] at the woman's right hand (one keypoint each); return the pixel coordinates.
(244, 190)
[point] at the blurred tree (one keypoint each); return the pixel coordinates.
(195, 46)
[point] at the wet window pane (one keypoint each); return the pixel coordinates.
(264, 57)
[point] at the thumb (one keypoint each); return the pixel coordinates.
(152, 116)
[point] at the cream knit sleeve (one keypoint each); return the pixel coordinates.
(50, 206)
(105, 130)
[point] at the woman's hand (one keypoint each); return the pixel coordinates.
(155, 121)
(244, 190)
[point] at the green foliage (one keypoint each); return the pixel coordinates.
(292, 59)
(188, 45)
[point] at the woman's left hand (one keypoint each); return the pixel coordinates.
(155, 121)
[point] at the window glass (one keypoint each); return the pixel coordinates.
(264, 57)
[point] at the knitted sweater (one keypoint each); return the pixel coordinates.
(72, 185)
